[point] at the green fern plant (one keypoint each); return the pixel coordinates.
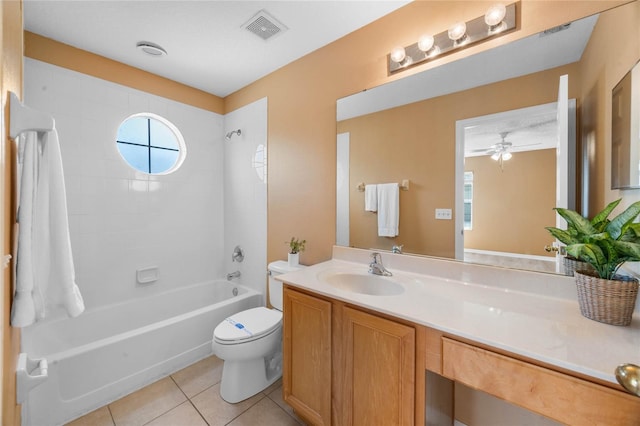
(295, 245)
(603, 243)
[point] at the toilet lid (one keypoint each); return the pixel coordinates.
(249, 324)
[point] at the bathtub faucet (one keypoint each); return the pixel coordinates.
(232, 275)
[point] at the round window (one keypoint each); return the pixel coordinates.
(151, 144)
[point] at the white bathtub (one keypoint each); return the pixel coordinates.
(107, 353)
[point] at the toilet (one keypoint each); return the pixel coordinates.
(250, 343)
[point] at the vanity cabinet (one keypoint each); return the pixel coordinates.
(567, 399)
(345, 366)
(306, 375)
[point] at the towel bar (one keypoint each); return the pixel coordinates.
(404, 185)
(24, 119)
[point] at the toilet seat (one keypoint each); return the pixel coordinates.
(247, 325)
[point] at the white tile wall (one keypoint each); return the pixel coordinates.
(120, 219)
(246, 194)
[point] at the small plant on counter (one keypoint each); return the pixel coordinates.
(295, 245)
(604, 244)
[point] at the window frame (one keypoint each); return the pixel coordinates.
(181, 150)
(468, 182)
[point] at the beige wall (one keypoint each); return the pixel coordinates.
(527, 181)
(603, 64)
(53, 52)
(417, 142)
(302, 125)
(10, 80)
(302, 96)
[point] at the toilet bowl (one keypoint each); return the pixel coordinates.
(250, 344)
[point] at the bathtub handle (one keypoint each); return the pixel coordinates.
(238, 254)
(29, 374)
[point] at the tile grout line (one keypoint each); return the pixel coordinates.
(248, 408)
(113, 421)
(189, 399)
(172, 408)
(283, 409)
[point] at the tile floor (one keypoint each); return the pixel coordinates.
(191, 397)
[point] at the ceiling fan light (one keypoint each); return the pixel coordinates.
(495, 156)
(506, 155)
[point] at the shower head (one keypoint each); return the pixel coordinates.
(228, 135)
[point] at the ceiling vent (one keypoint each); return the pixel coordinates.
(264, 26)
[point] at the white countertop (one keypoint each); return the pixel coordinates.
(531, 314)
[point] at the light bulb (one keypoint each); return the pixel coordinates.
(398, 54)
(457, 31)
(495, 14)
(506, 155)
(495, 156)
(425, 43)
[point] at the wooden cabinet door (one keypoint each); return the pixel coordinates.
(379, 376)
(306, 375)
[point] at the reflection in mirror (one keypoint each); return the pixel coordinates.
(407, 130)
(519, 157)
(625, 131)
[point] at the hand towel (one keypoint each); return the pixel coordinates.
(45, 272)
(388, 209)
(371, 198)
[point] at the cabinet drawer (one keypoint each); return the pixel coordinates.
(558, 396)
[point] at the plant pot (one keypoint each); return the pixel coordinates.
(571, 264)
(607, 301)
(294, 259)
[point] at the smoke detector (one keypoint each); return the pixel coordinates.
(151, 49)
(264, 25)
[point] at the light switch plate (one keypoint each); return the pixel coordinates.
(444, 214)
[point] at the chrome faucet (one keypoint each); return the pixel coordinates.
(397, 249)
(376, 267)
(232, 275)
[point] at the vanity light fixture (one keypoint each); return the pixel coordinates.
(151, 49)
(494, 18)
(458, 33)
(398, 54)
(498, 19)
(426, 43)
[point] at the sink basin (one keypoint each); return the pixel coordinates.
(374, 285)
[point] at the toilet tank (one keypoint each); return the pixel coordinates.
(278, 267)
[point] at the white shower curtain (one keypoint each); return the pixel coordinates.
(45, 275)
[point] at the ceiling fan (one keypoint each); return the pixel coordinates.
(499, 151)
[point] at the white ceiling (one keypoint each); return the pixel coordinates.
(207, 46)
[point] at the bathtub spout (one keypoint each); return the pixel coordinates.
(232, 275)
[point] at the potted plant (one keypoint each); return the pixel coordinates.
(295, 248)
(605, 245)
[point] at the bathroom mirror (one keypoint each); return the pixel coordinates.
(406, 129)
(625, 131)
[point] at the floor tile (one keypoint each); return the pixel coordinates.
(99, 417)
(276, 396)
(277, 384)
(183, 414)
(218, 412)
(199, 376)
(148, 403)
(264, 413)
